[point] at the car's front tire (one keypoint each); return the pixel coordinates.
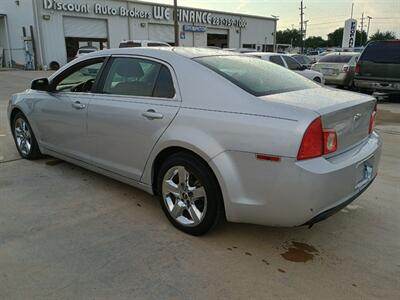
(189, 194)
(24, 137)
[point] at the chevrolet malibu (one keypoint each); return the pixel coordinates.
(213, 134)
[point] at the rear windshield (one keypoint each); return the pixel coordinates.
(382, 52)
(256, 76)
(302, 59)
(336, 58)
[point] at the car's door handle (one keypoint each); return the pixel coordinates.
(151, 114)
(78, 105)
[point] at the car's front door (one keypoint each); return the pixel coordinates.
(136, 100)
(61, 113)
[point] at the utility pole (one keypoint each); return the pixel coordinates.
(352, 9)
(276, 21)
(301, 26)
(362, 28)
(369, 22)
(176, 25)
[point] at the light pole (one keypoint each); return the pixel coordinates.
(369, 23)
(176, 26)
(276, 22)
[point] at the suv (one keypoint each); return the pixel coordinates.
(378, 69)
(142, 43)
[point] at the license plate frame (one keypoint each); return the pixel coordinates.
(364, 172)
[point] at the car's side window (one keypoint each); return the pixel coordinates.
(277, 60)
(291, 63)
(138, 77)
(79, 80)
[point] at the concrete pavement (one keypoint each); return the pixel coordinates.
(68, 233)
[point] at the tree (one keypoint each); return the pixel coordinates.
(382, 36)
(289, 36)
(335, 38)
(315, 42)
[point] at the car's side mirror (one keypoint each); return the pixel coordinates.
(40, 84)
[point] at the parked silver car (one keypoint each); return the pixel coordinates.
(212, 133)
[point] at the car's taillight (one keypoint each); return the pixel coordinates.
(358, 69)
(346, 68)
(372, 119)
(330, 141)
(317, 141)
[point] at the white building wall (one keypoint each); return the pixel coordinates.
(258, 31)
(17, 17)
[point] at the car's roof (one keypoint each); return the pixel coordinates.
(141, 41)
(158, 52)
(344, 53)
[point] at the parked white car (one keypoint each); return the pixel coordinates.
(85, 50)
(142, 43)
(290, 63)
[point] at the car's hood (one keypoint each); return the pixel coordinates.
(321, 99)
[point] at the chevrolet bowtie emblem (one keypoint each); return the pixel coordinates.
(356, 117)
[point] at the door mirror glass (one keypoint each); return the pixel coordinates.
(40, 84)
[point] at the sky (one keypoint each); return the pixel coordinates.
(323, 16)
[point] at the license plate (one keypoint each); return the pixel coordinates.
(365, 171)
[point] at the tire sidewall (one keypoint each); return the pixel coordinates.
(34, 151)
(202, 173)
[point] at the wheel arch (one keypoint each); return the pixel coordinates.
(13, 112)
(171, 150)
(163, 154)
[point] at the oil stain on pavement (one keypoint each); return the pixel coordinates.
(299, 252)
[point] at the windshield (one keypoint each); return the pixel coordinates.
(256, 76)
(336, 58)
(382, 52)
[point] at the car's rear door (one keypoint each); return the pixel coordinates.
(137, 98)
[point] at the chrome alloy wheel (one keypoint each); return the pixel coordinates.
(184, 196)
(23, 136)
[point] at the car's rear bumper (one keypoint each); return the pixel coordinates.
(377, 86)
(291, 192)
(329, 212)
(341, 79)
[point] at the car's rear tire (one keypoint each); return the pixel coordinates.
(317, 80)
(189, 194)
(24, 137)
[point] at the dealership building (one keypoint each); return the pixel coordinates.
(41, 32)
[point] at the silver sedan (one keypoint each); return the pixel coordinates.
(214, 134)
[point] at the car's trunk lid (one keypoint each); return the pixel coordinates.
(379, 71)
(329, 69)
(345, 112)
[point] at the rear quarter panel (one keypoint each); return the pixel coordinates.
(218, 116)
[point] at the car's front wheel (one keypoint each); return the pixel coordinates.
(317, 79)
(189, 194)
(24, 138)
